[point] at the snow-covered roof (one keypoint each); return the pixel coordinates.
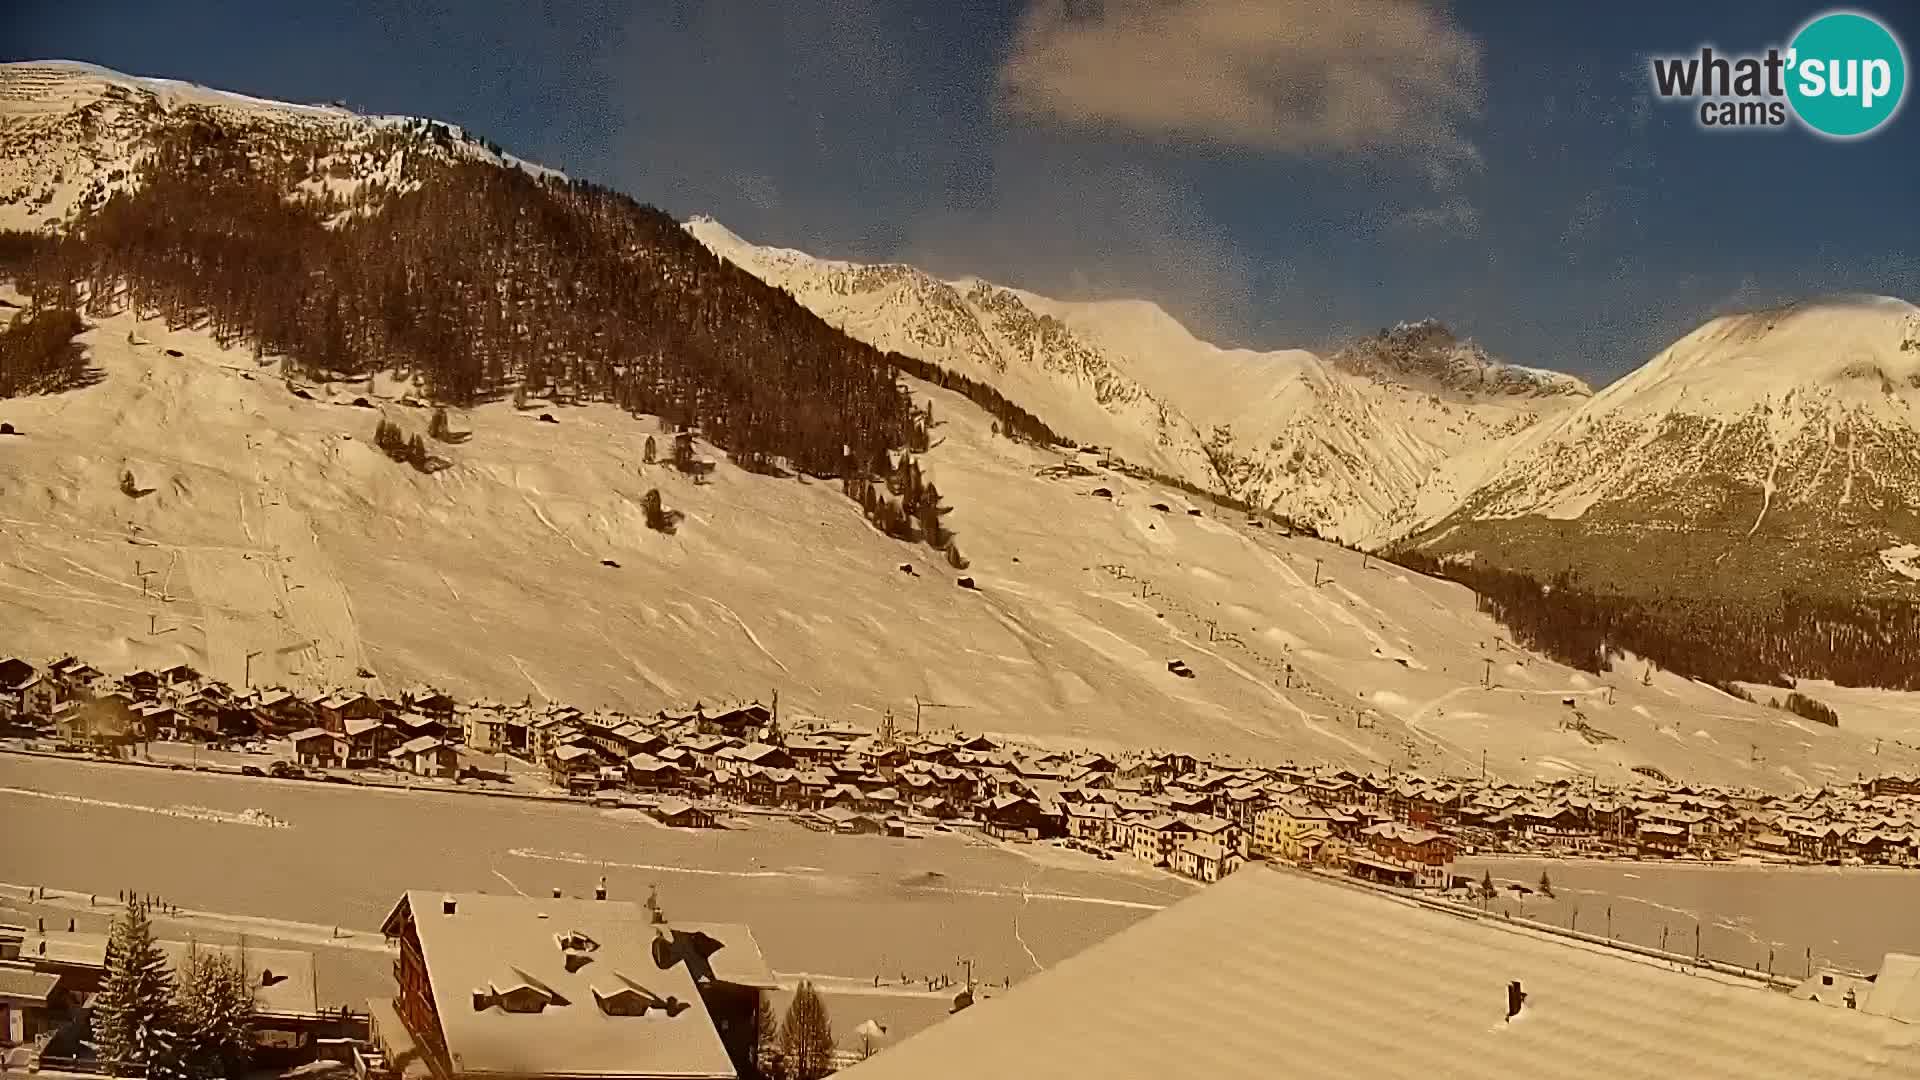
(505, 942)
(1281, 973)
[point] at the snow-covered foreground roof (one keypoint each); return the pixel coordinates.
(1277, 973)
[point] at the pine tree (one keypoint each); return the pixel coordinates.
(1546, 885)
(437, 428)
(659, 518)
(1487, 890)
(134, 1020)
(216, 1015)
(954, 558)
(806, 1036)
(417, 453)
(646, 456)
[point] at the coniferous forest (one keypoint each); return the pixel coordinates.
(1861, 642)
(476, 281)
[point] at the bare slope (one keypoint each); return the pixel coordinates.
(272, 526)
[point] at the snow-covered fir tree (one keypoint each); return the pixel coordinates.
(134, 1020)
(216, 1015)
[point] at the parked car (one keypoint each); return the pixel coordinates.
(286, 770)
(251, 770)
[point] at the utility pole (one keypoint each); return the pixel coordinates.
(1483, 764)
(1487, 679)
(968, 961)
(918, 705)
(246, 679)
(1316, 573)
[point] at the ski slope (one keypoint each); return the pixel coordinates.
(271, 526)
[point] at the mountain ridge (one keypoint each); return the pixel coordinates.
(1362, 452)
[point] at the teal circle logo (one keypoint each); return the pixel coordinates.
(1846, 74)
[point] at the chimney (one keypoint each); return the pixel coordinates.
(446, 905)
(600, 891)
(1515, 998)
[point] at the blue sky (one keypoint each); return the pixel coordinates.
(1274, 172)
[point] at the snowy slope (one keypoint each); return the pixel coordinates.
(273, 525)
(1789, 437)
(1366, 445)
(71, 134)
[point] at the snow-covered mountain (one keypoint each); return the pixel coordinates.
(1365, 445)
(1764, 449)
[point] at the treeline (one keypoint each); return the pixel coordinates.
(38, 353)
(1859, 642)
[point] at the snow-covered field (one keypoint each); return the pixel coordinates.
(1849, 917)
(835, 906)
(271, 525)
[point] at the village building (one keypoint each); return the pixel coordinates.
(427, 756)
(1398, 854)
(499, 987)
(430, 702)
(369, 742)
(107, 724)
(681, 814)
(739, 722)
(334, 710)
(649, 773)
(575, 767)
(1091, 822)
(842, 819)
(318, 748)
(1205, 860)
(26, 693)
(489, 731)
(1292, 830)
(1012, 817)
(1153, 839)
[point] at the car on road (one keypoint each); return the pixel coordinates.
(286, 770)
(251, 770)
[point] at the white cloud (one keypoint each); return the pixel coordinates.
(1309, 77)
(1081, 223)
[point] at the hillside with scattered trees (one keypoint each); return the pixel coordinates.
(479, 282)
